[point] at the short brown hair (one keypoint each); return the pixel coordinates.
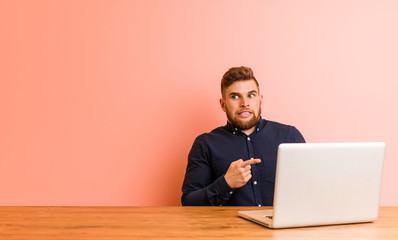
(236, 74)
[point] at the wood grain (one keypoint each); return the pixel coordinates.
(170, 223)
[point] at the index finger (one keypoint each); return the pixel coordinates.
(251, 161)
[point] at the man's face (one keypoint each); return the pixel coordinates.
(242, 103)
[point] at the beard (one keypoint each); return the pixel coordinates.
(244, 125)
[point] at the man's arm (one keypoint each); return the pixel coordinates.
(198, 188)
(296, 136)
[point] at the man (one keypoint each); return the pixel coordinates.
(235, 165)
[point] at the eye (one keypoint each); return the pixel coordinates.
(234, 96)
(252, 95)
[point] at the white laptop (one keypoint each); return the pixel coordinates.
(324, 184)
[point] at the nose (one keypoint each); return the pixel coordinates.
(244, 102)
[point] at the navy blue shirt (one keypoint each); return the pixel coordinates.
(213, 152)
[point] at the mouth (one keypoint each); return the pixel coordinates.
(245, 114)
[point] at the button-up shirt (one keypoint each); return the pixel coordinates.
(213, 152)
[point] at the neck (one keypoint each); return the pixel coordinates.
(249, 131)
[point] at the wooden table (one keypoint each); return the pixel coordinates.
(170, 223)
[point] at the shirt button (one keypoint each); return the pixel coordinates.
(231, 192)
(248, 139)
(258, 129)
(255, 182)
(251, 158)
(259, 205)
(234, 132)
(236, 129)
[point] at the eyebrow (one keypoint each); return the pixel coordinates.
(236, 93)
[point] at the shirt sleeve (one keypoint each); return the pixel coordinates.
(201, 187)
(296, 136)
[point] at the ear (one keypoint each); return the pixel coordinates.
(261, 99)
(222, 104)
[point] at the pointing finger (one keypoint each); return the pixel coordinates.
(250, 162)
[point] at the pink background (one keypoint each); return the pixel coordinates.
(101, 100)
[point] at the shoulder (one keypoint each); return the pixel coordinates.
(278, 125)
(214, 134)
(289, 132)
(204, 141)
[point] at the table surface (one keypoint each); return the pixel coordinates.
(171, 223)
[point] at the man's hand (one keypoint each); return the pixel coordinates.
(239, 173)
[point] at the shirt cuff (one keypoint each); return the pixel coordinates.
(223, 189)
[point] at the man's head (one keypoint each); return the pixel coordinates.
(241, 99)
(236, 74)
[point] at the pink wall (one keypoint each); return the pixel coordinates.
(101, 100)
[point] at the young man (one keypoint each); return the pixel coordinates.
(235, 165)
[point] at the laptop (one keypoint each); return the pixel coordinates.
(324, 184)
